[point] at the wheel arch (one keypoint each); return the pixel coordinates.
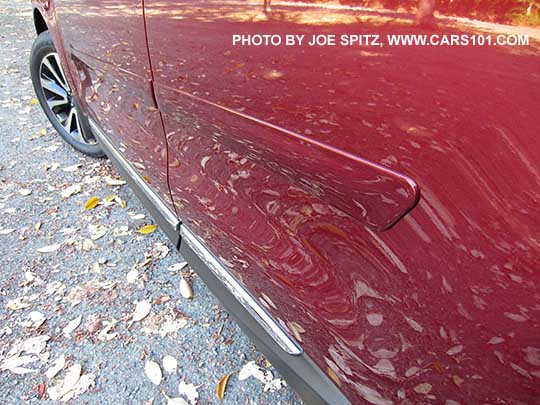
(40, 24)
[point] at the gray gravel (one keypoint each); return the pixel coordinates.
(89, 278)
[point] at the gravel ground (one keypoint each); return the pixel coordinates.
(98, 268)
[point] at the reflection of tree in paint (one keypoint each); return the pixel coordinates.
(267, 6)
(424, 15)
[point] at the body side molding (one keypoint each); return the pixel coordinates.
(302, 374)
(256, 310)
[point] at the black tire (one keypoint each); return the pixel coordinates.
(84, 142)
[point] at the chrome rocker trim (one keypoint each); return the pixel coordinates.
(281, 337)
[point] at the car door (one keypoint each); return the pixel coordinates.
(253, 174)
(107, 57)
(295, 164)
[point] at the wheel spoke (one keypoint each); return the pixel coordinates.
(59, 80)
(53, 87)
(57, 103)
(57, 60)
(68, 122)
(78, 134)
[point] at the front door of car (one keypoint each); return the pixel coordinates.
(105, 43)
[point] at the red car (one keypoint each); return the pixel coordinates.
(370, 214)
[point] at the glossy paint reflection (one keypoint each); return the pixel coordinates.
(107, 53)
(444, 306)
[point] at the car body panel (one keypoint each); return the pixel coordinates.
(433, 308)
(439, 303)
(106, 52)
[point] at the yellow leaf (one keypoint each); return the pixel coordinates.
(222, 386)
(121, 202)
(43, 131)
(34, 101)
(145, 230)
(110, 198)
(91, 203)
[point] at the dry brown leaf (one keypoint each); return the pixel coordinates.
(114, 182)
(185, 289)
(72, 168)
(71, 326)
(222, 386)
(91, 203)
(50, 248)
(17, 303)
(56, 367)
(189, 391)
(69, 191)
(141, 311)
(153, 372)
(147, 229)
(175, 401)
(170, 364)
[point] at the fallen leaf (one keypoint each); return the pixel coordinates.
(56, 367)
(114, 182)
(175, 401)
(170, 365)
(34, 101)
(153, 372)
(50, 248)
(71, 190)
(17, 304)
(35, 319)
(141, 311)
(71, 379)
(88, 245)
(177, 266)
(189, 391)
(222, 386)
(15, 363)
(25, 192)
(72, 168)
(91, 203)
(73, 384)
(132, 276)
(185, 289)
(41, 389)
(71, 326)
(251, 370)
(106, 335)
(147, 229)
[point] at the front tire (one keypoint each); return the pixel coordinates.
(56, 98)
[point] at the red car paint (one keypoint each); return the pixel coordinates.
(442, 307)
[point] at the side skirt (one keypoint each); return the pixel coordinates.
(163, 215)
(295, 366)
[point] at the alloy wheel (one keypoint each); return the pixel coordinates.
(60, 100)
